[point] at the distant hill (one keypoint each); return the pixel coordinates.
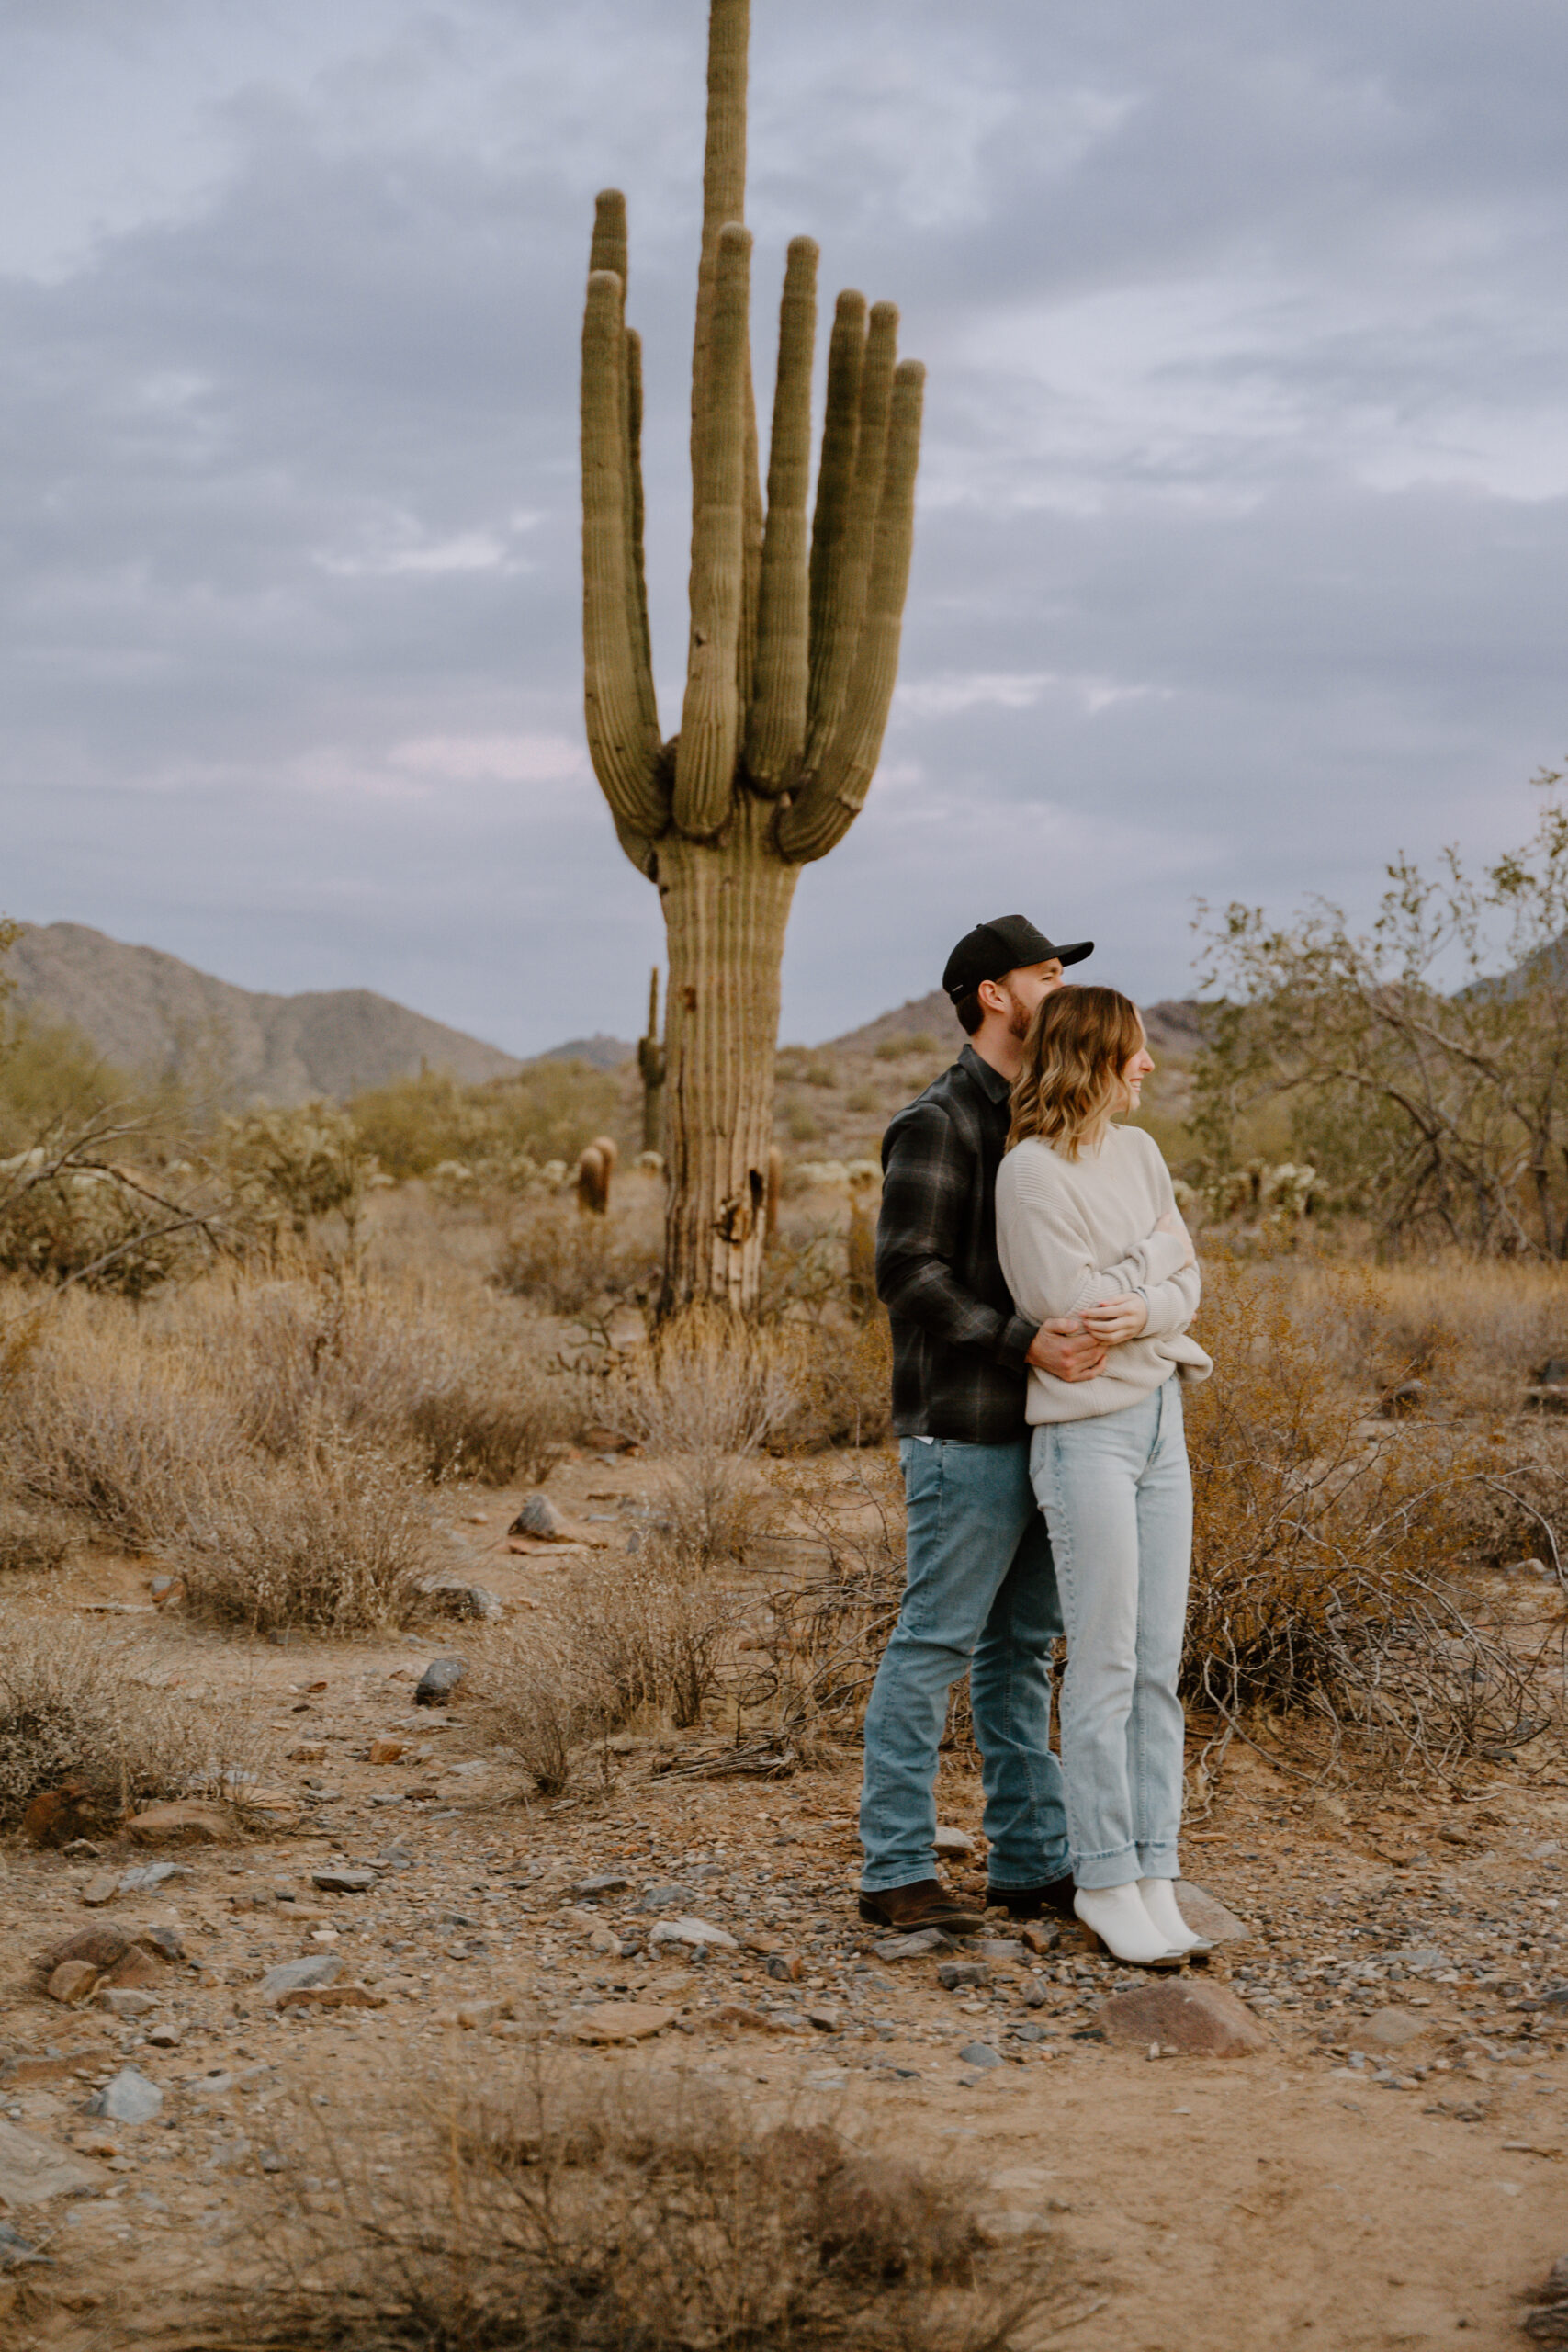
(147, 1012)
(1173, 1026)
(598, 1051)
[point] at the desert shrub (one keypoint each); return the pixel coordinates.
(703, 1398)
(537, 1702)
(290, 1168)
(500, 1131)
(528, 2217)
(649, 1632)
(50, 1073)
(462, 1395)
(100, 1422)
(61, 1224)
(32, 1542)
(342, 1543)
(1323, 1554)
(830, 1624)
(73, 1707)
(569, 1263)
(842, 1371)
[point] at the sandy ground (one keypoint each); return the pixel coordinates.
(1313, 2193)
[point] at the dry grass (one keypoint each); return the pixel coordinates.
(703, 1399)
(654, 2216)
(32, 1542)
(569, 1264)
(1476, 1331)
(1324, 1577)
(73, 1706)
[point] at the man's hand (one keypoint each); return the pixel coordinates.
(1171, 1221)
(1113, 1320)
(1067, 1350)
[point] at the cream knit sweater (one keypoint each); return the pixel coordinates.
(1071, 1231)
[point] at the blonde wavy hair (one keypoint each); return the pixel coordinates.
(1079, 1043)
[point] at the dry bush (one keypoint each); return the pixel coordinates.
(73, 1706)
(1323, 1583)
(97, 1419)
(831, 1625)
(1477, 1331)
(537, 1701)
(342, 1543)
(842, 1371)
(650, 1632)
(703, 1399)
(569, 1264)
(653, 2216)
(32, 1542)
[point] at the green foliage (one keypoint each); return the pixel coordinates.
(500, 1133)
(49, 1073)
(66, 1224)
(1424, 1066)
(287, 1170)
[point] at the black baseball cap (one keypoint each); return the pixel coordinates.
(1005, 944)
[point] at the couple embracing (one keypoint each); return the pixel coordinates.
(1040, 1285)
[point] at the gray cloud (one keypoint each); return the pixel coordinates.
(1243, 504)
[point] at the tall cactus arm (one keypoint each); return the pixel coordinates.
(775, 729)
(851, 565)
(710, 717)
(610, 247)
(623, 727)
(637, 590)
(724, 183)
(818, 821)
(835, 476)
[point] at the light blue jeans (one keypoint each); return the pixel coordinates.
(1117, 1494)
(980, 1592)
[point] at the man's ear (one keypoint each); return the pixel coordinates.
(991, 997)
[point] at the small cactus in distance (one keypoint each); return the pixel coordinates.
(595, 1170)
(791, 656)
(651, 1066)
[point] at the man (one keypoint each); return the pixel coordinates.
(981, 1588)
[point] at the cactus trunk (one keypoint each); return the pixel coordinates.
(792, 657)
(725, 915)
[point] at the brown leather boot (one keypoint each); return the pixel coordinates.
(927, 1904)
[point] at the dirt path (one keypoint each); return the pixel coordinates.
(1312, 2194)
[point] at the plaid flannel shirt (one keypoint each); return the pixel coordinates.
(959, 1346)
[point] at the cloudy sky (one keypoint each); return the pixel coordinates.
(1243, 504)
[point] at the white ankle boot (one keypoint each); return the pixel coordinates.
(1116, 1915)
(1159, 1901)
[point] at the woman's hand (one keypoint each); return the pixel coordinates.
(1115, 1321)
(1171, 1221)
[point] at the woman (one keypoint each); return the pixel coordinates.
(1087, 1224)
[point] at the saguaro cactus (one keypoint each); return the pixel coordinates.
(650, 1069)
(790, 662)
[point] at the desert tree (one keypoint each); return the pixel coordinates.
(791, 656)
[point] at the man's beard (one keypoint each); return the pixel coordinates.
(1018, 1018)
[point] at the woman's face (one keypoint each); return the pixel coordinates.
(1133, 1072)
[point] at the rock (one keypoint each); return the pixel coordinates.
(960, 1975)
(619, 2021)
(695, 1933)
(71, 1980)
(58, 1816)
(1551, 1396)
(1039, 1936)
(101, 1888)
(919, 1946)
(162, 1939)
(733, 2017)
(343, 1882)
(1390, 2028)
(540, 1519)
(1549, 2325)
(15, 2250)
(138, 1970)
(144, 1876)
(1029, 2031)
(388, 1751)
(1207, 1916)
(33, 2169)
(786, 1966)
(825, 2020)
(608, 1882)
(166, 2036)
(438, 1681)
(127, 2098)
(1205, 2019)
(659, 1897)
(454, 1600)
(314, 1968)
(186, 1823)
(122, 2002)
(1419, 1958)
(1035, 1996)
(1408, 1397)
(311, 1751)
(949, 1844)
(979, 2053)
(331, 1996)
(1000, 1948)
(99, 1946)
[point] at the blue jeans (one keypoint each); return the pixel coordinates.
(1117, 1494)
(980, 1592)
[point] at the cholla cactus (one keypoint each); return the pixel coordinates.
(791, 662)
